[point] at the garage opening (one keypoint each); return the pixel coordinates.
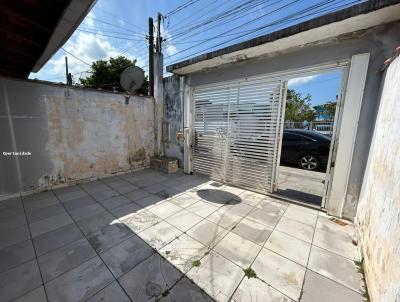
(309, 128)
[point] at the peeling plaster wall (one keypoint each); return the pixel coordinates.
(378, 214)
(173, 119)
(72, 134)
(379, 42)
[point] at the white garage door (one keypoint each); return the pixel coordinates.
(237, 130)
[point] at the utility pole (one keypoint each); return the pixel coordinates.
(68, 76)
(151, 58)
(158, 92)
(159, 38)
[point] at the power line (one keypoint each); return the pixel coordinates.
(181, 7)
(79, 59)
(247, 32)
(111, 36)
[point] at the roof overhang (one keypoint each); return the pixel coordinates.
(355, 18)
(32, 31)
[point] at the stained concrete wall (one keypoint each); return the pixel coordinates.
(173, 115)
(71, 134)
(378, 214)
(379, 42)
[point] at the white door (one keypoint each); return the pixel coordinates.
(237, 130)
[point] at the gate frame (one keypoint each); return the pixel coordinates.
(352, 68)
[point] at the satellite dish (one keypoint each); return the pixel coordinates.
(132, 78)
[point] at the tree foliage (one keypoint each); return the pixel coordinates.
(106, 75)
(298, 108)
(328, 109)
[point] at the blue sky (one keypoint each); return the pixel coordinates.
(115, 27)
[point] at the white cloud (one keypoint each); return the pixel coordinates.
(301, 81)
(169, 46)
(89, 48)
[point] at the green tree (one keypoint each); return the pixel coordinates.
(298, 108)
(329, 109)
(106, 75)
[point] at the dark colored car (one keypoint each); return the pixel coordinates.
(307, 149)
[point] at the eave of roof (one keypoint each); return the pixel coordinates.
(358, 17)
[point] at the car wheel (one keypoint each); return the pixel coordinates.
(308, 162)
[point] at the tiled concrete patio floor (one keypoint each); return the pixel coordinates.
(146, 236)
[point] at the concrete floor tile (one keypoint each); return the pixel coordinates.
(253, 289)
(149, 201)
(302, 214)
(335, 267)
(94, 186)
(112, 293)
(13, 221)
(13, 255)
(237, 249)
(95, 222)
(202, 209)
(207, 232)
(86, 211)
(126, 188)
(35, 204)
(184, 200)
(217, 276)
(272, 207)
(150, 279)
(45, 212)
(140, 221)
(108, 236)
(225, 219)
(102, 195)
(296, 229)
(13, 236)
(290, 247)
(57, 238)
(165, 209)
(240, 209)
(49, 224)
(124, 256)
(253, 231)
(284, 275)
(160, 234)
(155, 188)
(137, 194)
(74, 193)
(19, 281)
(336, 244)
(184, 220)
(125, 211)
(186, 291)
(115, 201)
(319, 288)
(268, 219)
(251, 198)
(79, 283)
(78, 203)
(37, 295)
(183, 251)
(325, 224)
(65, 258)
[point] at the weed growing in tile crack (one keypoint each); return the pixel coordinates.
(360, 269)
(196, 263)
(167, 252)
(250, 273)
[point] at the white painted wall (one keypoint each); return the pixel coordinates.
(72, 134)
(378, 213)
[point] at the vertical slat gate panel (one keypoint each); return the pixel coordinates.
(236, 133)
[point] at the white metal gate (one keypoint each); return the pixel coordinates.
(237, 130)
